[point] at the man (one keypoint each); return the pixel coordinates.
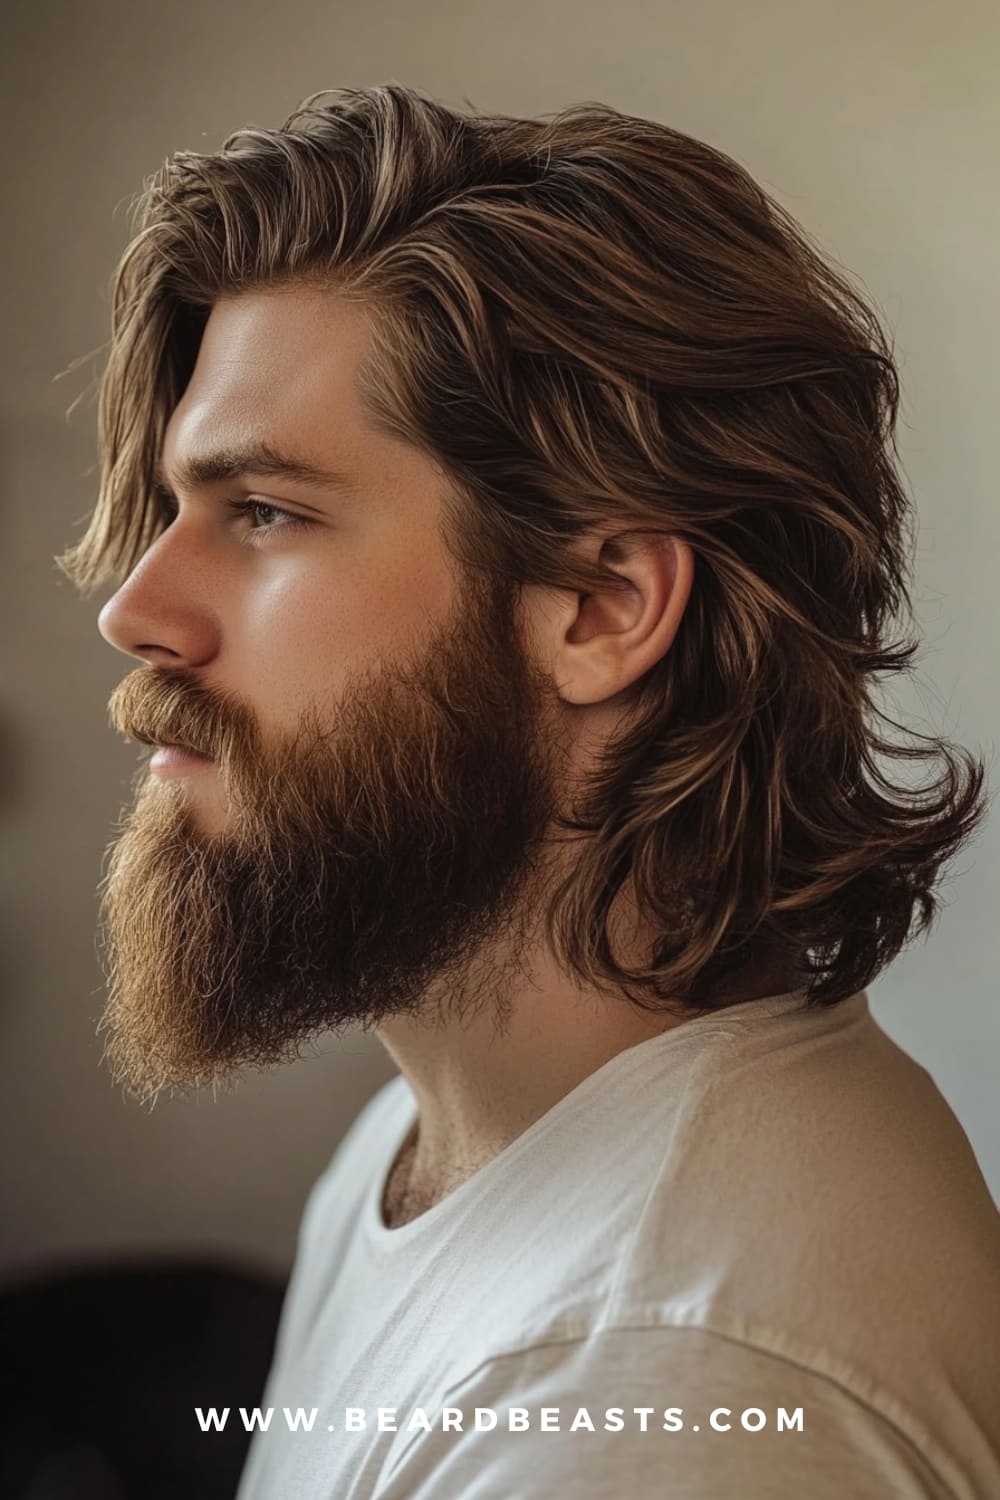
(497, 717)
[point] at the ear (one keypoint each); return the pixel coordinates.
(600, 644)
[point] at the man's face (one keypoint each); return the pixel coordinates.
(383, 765)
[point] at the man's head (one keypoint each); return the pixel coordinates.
(384, 750)
(612, 510)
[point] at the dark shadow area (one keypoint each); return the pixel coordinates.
(102, 1371)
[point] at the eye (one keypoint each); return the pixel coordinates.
(271, 518)
(288, 520)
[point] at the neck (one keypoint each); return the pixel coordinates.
(479, 1085)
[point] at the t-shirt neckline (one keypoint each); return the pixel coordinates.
(381, 1239)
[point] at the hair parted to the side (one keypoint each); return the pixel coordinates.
(589, 317)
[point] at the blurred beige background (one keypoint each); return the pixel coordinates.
(876, 123)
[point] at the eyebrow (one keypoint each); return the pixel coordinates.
(260, 457)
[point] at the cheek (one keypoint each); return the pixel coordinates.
(296, 635)
(304, 628)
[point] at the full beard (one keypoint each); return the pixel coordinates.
(360, 872)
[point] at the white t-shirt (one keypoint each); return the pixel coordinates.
(766, 1210)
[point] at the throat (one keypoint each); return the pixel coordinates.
(411, 1190)
(401, 1202)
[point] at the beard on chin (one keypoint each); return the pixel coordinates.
(360, 871)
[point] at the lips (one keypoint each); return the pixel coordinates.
(178, 760)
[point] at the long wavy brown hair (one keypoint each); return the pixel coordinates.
(586, 317)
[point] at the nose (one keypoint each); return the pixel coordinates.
(161, 613)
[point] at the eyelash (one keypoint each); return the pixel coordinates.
(290, 521)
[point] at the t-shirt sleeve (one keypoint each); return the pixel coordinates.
(715, 1427)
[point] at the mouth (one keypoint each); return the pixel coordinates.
(171, 759)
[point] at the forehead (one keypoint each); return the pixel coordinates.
(280, 362)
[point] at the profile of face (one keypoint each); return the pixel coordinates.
(380, 766)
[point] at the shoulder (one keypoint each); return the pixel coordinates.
(630, 1408)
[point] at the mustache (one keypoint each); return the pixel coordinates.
(165, 706)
